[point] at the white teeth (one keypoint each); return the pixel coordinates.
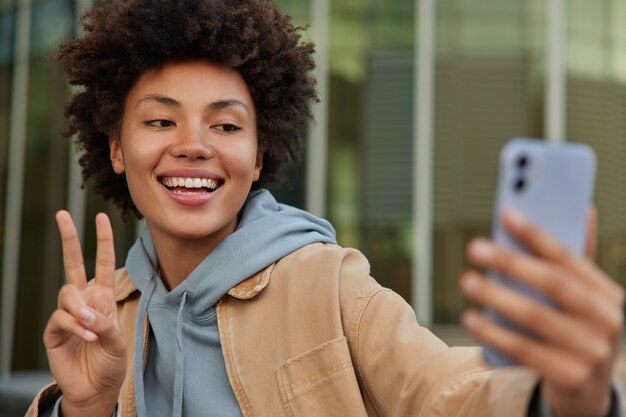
(187, 192)
(190, 183)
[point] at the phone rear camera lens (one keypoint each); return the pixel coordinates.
(519, 185)
(522, 161)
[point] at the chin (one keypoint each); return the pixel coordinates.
(191, 228)
(191, 234)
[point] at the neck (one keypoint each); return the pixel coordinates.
(179, 257)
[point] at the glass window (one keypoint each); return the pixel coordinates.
(370, 117)
(292, 188)
(52, 21)
(487, 92)
(596, 104)
(297, 9)
(7, 36)
(7, 30)
(5, 4)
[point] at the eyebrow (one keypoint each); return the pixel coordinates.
(228, 102)
(165, 100)
(170, 102)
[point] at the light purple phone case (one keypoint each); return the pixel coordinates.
(559, 180)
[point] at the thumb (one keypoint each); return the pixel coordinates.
(108, 331)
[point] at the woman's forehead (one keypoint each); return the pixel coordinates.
(176, 82)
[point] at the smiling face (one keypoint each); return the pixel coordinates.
(188, 147)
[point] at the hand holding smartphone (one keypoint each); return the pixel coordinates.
(551, 184)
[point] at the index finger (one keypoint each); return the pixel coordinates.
(105, 252)
(545, 246)
(73, 262)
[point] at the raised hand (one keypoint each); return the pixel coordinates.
(85, 347)
(579, 340)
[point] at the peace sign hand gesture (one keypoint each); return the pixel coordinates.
(85, 347)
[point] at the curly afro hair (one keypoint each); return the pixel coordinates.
(125, 38)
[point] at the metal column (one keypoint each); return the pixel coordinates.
(421, 283)
(555, 89)
(317, 146)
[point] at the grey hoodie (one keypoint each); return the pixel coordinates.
(185, 373)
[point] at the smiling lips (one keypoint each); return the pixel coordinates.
(179, 185)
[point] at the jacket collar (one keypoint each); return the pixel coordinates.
(246, 289)
(123, 285)
(253, 285)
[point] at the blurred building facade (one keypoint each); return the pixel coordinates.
(488, 83)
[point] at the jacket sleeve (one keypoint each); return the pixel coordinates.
(53, 410)
(44, 402)
(539, 408)
(47, 403)
(406, 370)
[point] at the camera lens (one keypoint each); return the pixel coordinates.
(522, 161)
(519, 184)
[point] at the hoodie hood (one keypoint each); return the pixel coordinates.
(267, 231)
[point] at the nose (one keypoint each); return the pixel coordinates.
(192, 143)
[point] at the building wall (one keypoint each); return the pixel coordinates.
(489, 87)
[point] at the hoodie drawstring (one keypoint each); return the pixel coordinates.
(146, 295)
(179, 373)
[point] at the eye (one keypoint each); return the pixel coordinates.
(160, 123)
(228, 128)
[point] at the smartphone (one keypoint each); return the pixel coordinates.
(552, 185)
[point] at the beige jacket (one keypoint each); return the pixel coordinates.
(314, 335)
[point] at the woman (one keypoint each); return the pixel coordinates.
(232, 304)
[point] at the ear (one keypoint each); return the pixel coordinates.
(117, 159)
(258, 165)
